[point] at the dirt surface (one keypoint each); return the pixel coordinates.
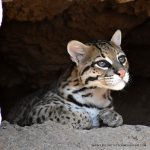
(53, 136)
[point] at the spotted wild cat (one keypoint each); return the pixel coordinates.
(81, 98)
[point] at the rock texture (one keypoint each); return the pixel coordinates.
(58, 137)
(26, 10)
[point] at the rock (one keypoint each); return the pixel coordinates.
(54, 136)
(26, 10)
(123, 1)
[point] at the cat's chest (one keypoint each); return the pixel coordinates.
(96, 97)
(99, 102)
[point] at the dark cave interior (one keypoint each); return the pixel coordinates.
(33, 47)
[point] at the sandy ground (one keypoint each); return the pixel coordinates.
(53, 136)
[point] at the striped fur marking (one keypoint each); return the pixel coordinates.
(91, 79)
(86, 69)
(73, 100)
(87, 95)
(83, 89)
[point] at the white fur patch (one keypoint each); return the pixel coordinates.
(126, 77)
(109, 60)
(119, 86)
(93, 112)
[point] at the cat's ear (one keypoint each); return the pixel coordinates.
(116, 38)
(77, 51)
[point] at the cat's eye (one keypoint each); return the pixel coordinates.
(103, 64)
(122, 59)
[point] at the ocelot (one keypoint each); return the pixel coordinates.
(81, 97)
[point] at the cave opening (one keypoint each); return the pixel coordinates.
(33, 41)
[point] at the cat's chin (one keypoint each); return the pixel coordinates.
(118, 86)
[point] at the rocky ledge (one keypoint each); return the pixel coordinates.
(54, 136)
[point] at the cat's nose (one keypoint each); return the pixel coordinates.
(121, 73)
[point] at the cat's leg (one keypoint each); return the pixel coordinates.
(111, 117)
(63, 113)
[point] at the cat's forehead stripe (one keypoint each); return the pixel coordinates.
(99, 47)
(110, 49)
(105, 49)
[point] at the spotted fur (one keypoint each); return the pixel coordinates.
(82, 97)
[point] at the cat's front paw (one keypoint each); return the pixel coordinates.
(111, 118)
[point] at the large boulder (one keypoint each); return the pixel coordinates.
(51, 136)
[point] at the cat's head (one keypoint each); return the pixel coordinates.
(102, 63)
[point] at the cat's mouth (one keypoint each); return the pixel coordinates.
(116, 82)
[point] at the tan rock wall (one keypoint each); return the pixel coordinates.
(26, 10)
